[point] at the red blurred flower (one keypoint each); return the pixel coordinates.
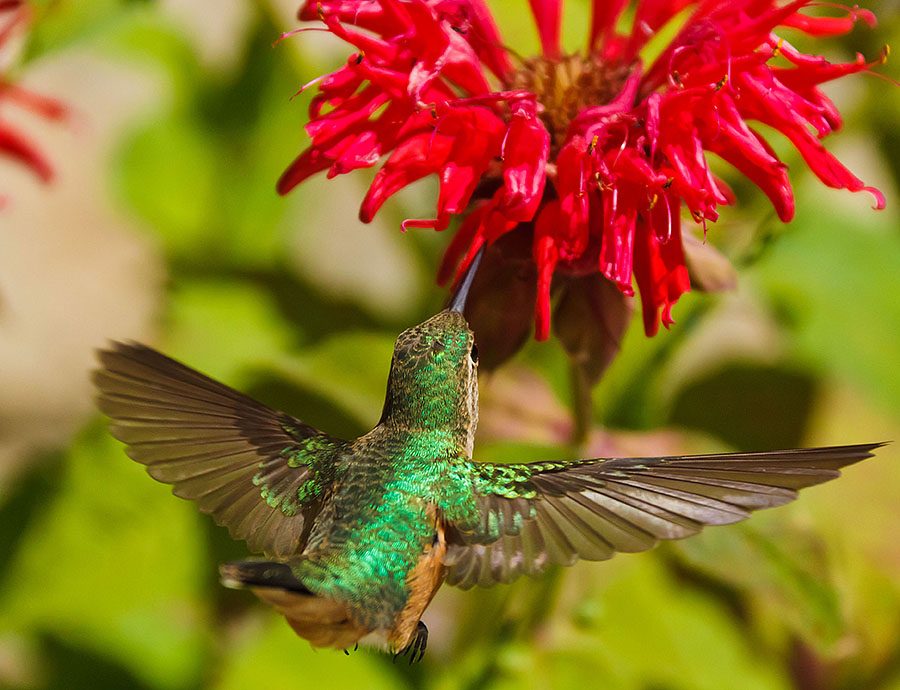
(623, 144)
(14, 15)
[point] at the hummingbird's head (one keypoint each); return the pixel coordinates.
(433, 384)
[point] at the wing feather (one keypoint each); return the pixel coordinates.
(242, 462)
(532, 515)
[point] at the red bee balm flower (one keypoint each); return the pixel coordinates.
(14, 14)
(622, 141)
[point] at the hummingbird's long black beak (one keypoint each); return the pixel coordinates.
(458, 302)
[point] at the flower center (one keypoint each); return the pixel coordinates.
(566, 85)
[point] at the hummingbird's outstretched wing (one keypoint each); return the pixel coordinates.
(532, 515)
(258, 471)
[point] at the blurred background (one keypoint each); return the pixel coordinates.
(163, 226)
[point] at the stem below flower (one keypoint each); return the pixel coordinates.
(582, 405)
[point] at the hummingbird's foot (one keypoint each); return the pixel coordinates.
(416, 646)
(347, 651)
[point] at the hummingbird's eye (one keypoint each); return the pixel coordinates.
(473, 354)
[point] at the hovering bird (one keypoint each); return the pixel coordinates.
(358, 535)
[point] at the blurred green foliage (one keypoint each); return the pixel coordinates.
(106, 581)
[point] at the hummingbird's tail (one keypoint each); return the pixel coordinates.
(323, 621)
(242, 574)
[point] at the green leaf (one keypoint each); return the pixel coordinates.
(651, 632)
(512, 451)
(113, 565)
(776, 565)
(274, 657)
(146, 37)
(226, 328)
(758, 406)
(233, 332)
(59, 24)
(350, 368)
(168, 175)
(833, 280)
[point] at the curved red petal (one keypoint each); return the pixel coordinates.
(466, 234)
(604, 15)
(17, 146)
(546, 255)
(412, 160)
(659, 270)
(830, 26)
(548, 18)
(526, 147)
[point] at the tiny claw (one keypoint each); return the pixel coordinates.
(419, 642)
(416, 646)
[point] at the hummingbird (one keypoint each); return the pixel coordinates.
(358, 535)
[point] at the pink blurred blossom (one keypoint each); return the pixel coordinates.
(14, 17)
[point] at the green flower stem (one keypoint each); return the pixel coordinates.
(582, 406)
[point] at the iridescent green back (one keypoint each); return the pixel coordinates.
(394, 480)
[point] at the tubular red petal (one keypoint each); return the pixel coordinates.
(363, 152)
(483, 34)
(659, 270)
(440, 49)
(497, 224)
(16, 15)
(466, 235)
(759, 100)
(573, 169)
(548, 18)
(439, 223)
(772, 179)
(350, 118)
(308, 163)
(526, 147)
(372, 16)
(17, 146)
(651, 15)
(546, 254)
(49, 108)
(412, 160)
(829, 26)
(631, 165)
(617, 247)
(477, 135)
(808, 75)
(604, 15)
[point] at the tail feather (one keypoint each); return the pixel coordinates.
(268, 574)
(324, 622)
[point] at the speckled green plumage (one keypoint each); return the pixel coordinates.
(373, 529)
